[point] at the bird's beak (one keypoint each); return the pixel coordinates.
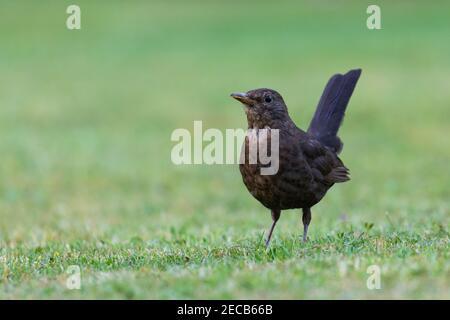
(242, 97)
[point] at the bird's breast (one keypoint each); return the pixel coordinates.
(291, 186)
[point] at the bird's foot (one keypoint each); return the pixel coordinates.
(305, 233)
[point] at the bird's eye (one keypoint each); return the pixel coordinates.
(268, 99)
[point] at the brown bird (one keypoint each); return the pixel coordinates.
(308, 162)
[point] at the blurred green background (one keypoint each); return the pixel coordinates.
(86, 177)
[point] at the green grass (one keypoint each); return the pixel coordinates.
(86, 176)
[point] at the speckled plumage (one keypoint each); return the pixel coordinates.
(308, 161)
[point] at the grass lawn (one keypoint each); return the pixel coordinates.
(86, 176)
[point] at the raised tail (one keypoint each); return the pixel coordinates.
(331, 109)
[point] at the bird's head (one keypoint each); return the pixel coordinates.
(264, 107)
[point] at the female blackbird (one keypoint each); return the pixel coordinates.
(308, 164)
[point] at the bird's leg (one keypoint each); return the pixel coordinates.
(275, 217)
(306, 218)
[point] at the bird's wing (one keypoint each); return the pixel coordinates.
(325, 164)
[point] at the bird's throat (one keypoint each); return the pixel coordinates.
(257, 120)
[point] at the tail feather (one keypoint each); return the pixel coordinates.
(338, 174)
(331, 109)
